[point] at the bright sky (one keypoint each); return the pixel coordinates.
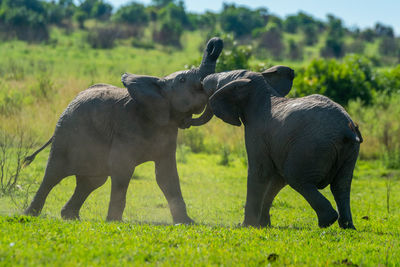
(362, 13)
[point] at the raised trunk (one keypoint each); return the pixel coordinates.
(211, 54)
(207, 67)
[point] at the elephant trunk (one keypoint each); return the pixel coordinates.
(207, 67)
(211, 54)
(204, 118)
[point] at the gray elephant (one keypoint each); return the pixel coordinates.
(307, 142)
(107, 131)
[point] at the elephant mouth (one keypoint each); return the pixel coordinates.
(186, 122)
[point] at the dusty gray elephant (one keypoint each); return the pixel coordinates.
(307, 142)
(107, 131)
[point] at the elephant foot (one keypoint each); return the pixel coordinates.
(265, 224)
(187, 220)
(327, 218)
(346, 225)
(67, 214)
(31, 212)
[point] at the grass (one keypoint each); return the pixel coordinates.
(36, 84)
(215, 196)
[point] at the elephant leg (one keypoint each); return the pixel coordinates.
(84, 186)
(274, 186)
(119, 187)
(53, 175)
(340, 188)
(322, 207)
(168, 181)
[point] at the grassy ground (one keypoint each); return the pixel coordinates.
(215, 196)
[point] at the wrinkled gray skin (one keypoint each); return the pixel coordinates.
(107, 131)
(307, 142)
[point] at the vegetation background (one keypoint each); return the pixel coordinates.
(51, 50)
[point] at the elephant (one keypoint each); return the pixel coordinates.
(108, 131)
(308, 142)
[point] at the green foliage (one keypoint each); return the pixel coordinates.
(341, 81)
(172, 19)
(234, 56)
(271, 39)
(98, 9)
(334, 44)
(193, 138)
(301, 21)
(132, 13)
(241, 20)
(23, 19)
(102, 37)
(225, 152)
(380, 126)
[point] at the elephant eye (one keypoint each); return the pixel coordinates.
(182, 79)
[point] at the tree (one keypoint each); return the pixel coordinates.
(241, 20)
(133, 13)
(272, 40)
(97, 9)
(334, 45)
(24, 19)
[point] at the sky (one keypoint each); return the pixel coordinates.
(361, 13)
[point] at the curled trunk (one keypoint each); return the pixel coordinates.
(204, 118)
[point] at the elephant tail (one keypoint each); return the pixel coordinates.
(30, 158)
(353, 133)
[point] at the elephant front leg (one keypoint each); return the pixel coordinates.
(256, 186)
(275, 184)
(168, 181)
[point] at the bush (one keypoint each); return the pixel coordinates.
(23, 19)
(295, 50)
(271, 39)
(341, 81)
(169, 33)
(103, 37)
(380, 127)
(241, 20)
(13, 150)
(192, 138)
(132, 13)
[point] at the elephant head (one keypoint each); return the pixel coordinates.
(174, 98)
(224, 88)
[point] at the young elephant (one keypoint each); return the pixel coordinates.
(107, 131)
(307, 142)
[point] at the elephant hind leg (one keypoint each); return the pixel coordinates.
(327, 215)
(53, 175)
(340, 188)
(84, 186)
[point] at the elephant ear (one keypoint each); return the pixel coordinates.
(225, 101)
(280, 78)
(148, 93)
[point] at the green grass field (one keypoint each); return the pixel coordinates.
(215, 196)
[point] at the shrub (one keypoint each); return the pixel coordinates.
(132, 13)
(192, 138)
(169, 33)
(241, 20)
(341, 81)
(103, 37)
(380, 127)
(13, 150)
(271, 39)
(23, 19)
